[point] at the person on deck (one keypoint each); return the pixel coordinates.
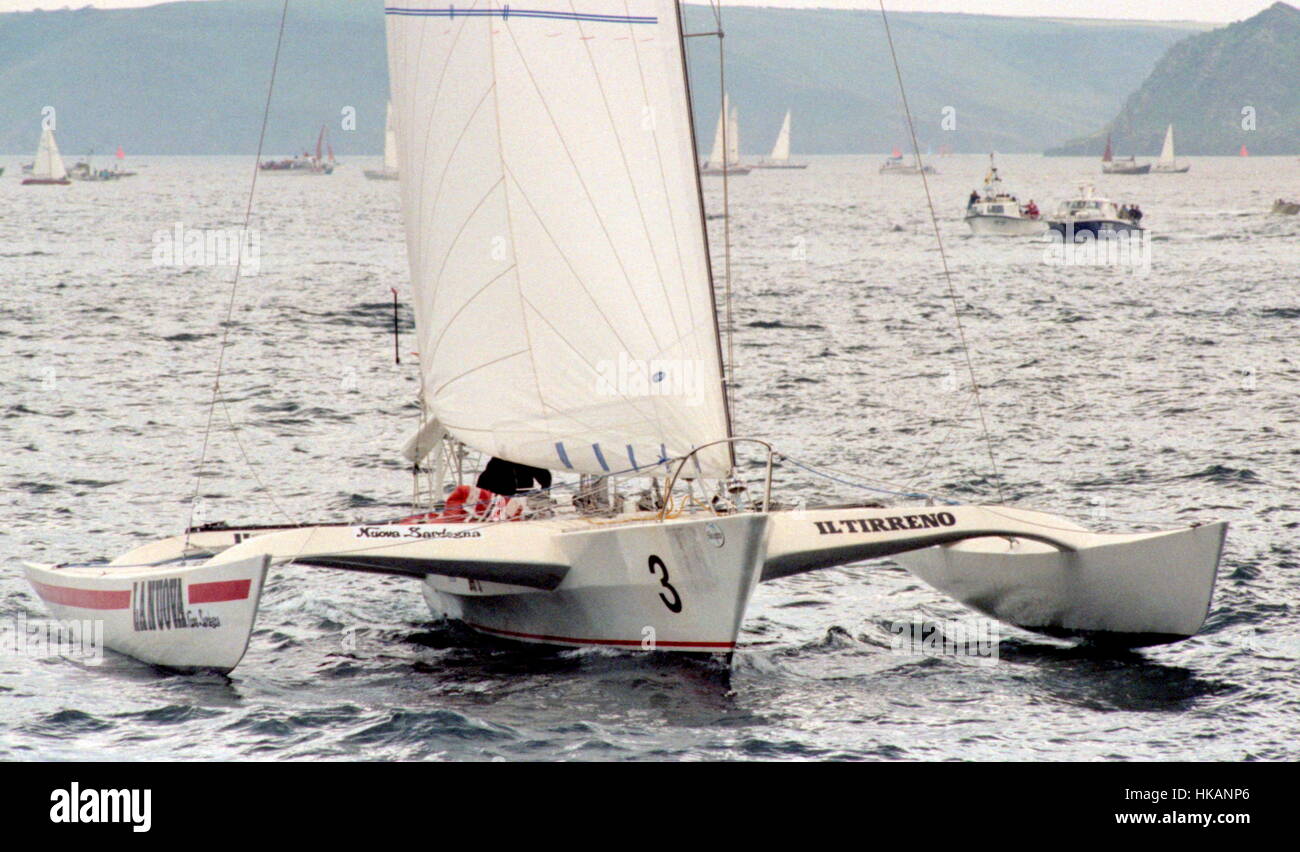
(1031, 210)
(974, 198)
(509, 479)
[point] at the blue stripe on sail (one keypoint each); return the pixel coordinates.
(600, 457)
(507, 12)
(564, 457)
(663, 455)
(631, 456)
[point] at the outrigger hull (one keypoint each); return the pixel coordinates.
(679, 584)
(178, 615)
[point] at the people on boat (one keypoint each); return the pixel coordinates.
(1031, 209)
(508, 478)
(974, 198)
(1123, 211)
(1135, 213)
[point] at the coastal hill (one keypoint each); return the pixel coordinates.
(190, 78)
(1202, 85)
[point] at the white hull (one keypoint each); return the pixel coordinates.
(180, 616)
(1009, 226)
(614, 594)
(675, 585)
(1140, 590)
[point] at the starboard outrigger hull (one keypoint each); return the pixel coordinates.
(642, 583)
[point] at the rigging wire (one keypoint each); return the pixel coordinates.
(947, 274)
(230, 308)
(726, 212)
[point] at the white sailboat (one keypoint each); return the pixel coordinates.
(724, 157)
(389, 171)
(607, 264)
(780, 156)
(47, 169)
(1165, 163)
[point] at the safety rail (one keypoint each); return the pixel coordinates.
(672, 480)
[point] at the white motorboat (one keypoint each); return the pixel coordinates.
(1090, 213)
(996, 211)
(390, 170)
(895, 165)
(591, 347)
(780, 156)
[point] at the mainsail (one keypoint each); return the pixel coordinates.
(554, 229)
(781, 150)
(716, 159)
(48, 164)
(733, 137)
(390, 142)
(1167, 152)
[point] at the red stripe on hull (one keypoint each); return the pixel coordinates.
(543, 637)
(83, 598)
(227, 590)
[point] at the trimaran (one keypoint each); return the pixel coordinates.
(569, 134)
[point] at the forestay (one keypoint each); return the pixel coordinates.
(563, 305)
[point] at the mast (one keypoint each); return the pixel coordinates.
(708, 255)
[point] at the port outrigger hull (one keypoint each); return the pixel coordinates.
(642, 583)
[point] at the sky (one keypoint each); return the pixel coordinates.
(1214, 11)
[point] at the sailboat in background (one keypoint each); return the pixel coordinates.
(780, 156)
(47, 169)
(320, 164)
(591, 347)
(725, 155)
(1165, 164)
(389, 171)
(1112, 166)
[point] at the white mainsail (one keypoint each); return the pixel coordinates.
(733, 137)
(563, 303)
(715, 156)
(390, 141)
(48, 164)
(781, 150)
(1167, 152)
